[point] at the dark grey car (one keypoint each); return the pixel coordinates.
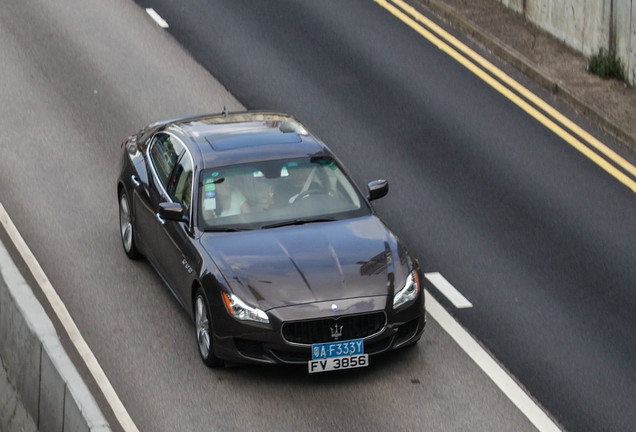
(258, 231)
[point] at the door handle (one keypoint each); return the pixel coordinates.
(135, 180)
(160, 219)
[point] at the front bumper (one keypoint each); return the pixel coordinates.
(272, 345)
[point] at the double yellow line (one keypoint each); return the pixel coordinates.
(574, 135)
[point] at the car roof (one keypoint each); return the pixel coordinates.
(226, 139)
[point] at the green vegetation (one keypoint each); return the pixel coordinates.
(607, 64)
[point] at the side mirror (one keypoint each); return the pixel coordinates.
(377, 189)
(171, 211)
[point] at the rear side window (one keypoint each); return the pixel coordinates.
(164, 153)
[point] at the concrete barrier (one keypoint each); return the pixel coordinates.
(587, 25)
(13, 416)
(47, 383)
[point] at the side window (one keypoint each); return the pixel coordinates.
(180, 185)
(164, 153)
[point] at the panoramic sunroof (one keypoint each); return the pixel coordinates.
(231, 142)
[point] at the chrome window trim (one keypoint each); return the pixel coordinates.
(155, 175)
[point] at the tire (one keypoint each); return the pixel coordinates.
(126, 228)
(203, 330)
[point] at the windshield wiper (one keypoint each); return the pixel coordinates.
(224, 229)
(296, 222)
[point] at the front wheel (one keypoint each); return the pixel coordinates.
(126, 226)
(203, 329)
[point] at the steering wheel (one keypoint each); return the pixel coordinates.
(308, 192)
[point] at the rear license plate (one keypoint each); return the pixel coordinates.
(337, 355)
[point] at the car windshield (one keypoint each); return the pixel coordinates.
(269, 194)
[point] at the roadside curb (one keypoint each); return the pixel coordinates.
(47, 383)
(526, 67)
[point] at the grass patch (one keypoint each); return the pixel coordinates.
(607, 64)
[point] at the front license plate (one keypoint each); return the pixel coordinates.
(338, 363)
(337, 349)
(337, 355)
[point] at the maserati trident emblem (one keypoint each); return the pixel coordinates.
(336, 332)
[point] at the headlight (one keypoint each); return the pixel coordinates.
(241, 311)
(409, 292)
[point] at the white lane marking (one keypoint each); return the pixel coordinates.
(157, 18)
(502, 379)
(449, 291)
(69, 325)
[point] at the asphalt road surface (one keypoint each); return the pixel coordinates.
(537, 237)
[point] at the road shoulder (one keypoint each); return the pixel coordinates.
(609, 103)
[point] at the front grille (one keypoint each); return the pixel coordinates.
(304, 356)
(326, 329)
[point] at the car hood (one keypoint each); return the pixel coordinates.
(309, 263)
